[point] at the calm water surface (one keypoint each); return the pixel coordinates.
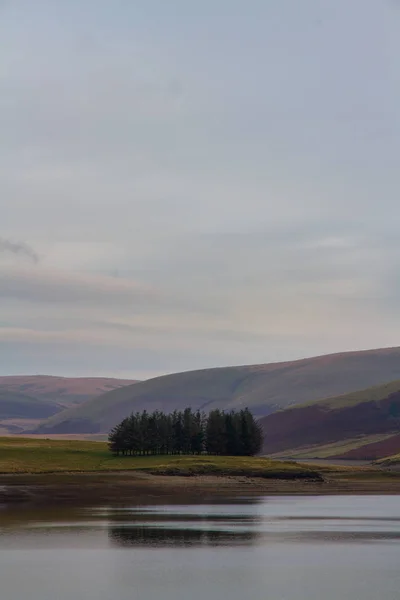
(274, 548)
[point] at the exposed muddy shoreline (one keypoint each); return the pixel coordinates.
(100, 488)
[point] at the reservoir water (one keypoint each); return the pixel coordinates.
(270, 548)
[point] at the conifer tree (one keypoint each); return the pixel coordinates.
(215, 433)
(219, 433)
(198, 433)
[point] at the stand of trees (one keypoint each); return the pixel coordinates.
(234, 433)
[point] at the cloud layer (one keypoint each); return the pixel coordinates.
(212, 188)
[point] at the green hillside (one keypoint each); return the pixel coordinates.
(370, 394)
(363, 425)
(333, 449)
(390, 461)
(263, 388)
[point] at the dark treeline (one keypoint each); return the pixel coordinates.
(187, 432)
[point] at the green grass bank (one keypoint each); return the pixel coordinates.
(41, 456)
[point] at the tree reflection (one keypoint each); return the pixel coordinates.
(161, 537)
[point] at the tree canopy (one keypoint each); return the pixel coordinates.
(234, 433)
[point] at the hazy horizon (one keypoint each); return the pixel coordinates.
(149, 375)
(184, 187)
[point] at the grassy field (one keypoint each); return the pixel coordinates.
(55, 472)
(28, 455)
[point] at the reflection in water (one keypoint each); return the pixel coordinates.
(200, 526)
(299, 548)
(345, 536)
(166, 517)
(161, 537)
(337, 520)
(184, 526)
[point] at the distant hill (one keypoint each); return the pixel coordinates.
(263, 388)
(27, 400)
(63, 390)
(19, 406)
(364, 425)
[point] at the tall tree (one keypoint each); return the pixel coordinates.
(251, 433)
(177, 427)
(232, 433)
(198, 433)
(216, 433)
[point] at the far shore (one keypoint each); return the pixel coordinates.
(135, 487)
(72, 471)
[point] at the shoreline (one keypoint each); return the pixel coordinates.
(122, 487)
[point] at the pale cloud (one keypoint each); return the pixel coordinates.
(18, 249)
(50, 286)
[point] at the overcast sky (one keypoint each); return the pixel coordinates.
(191, 183)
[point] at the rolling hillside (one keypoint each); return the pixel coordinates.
(360, 426)
(263, 388)
(26, 400)
(16, 408)
(20, 406)
(66, 391)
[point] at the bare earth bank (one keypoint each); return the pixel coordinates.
(98, 488)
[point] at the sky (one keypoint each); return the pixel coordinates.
(191, 184)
